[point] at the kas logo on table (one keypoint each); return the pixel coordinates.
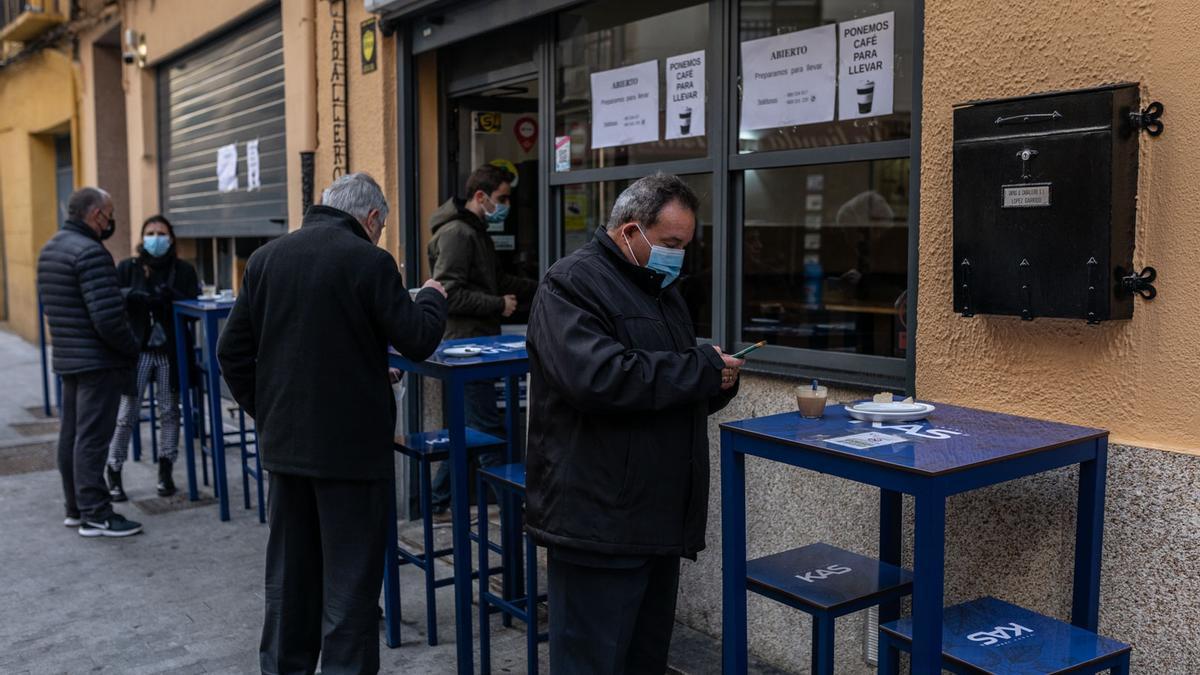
(822, 574)
(1001, 635)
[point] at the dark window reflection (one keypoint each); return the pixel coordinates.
(825, 257)
(587, 206)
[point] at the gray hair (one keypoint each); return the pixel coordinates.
(357, 194)
(643, 201)
(83, 200)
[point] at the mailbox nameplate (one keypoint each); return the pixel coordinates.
(1025, 195)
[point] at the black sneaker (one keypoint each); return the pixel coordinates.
(166, 484)
(115, 525)
(115, 489)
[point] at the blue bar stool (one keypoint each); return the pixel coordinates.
(249, 471)
(826, 582)
(509, 478)
(426, 448)
(991, 636)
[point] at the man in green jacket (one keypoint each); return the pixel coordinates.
(480, 294)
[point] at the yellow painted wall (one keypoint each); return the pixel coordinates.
(37, 100)
(1136, 378)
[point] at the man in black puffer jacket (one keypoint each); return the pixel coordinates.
(618, 442)
(94, 352)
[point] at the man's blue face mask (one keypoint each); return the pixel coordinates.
(668, 261)
(496, 216)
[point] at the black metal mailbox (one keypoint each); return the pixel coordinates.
(1045, 191)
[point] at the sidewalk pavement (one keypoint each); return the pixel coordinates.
(186, 596)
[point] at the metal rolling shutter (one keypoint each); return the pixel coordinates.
(227, 91)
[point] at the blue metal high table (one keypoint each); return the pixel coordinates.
(502, 357)
(955, 451)
(208, 314)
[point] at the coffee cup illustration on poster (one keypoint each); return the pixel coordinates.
(685, 95)
(866, 52)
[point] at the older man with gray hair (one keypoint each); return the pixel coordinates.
(617, 466)
(94, 352)
(305, 354)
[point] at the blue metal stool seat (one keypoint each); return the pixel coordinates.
(989, 636)
(826, 582)
(426, 448)
(510, 479)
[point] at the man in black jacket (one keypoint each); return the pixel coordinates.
(618, 441)
(305, 354)
(94, 352)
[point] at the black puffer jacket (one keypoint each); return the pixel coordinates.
(621, 394)
(77, 284)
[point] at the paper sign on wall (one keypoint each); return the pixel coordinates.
(625, 105)
(865, 69)
(685, 95)
(253, 177)
(789, 79)
(227, 178)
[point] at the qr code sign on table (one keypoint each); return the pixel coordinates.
(864, 441)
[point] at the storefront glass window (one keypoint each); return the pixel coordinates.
(825, 257)
(607, 35)
(587, 207)
(768, 18)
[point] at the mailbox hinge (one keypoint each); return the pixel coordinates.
(1026, 270)
(1093, 294)
(965, 276)
(1148, 119)
(1141, 283)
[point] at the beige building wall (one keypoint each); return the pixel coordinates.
(370, 105)
(1136, 377)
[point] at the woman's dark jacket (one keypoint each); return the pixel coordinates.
(151, 286)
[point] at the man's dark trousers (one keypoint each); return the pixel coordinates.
(89, 417)
(612, 620)
(324, 574)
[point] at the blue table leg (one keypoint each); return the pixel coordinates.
(391, 574)
(460, 506)
(220, 484)
(484, 564)
(891, 513)
(511, 506)
(733, 552)
(928, 582)
(889, 656)
(822, 645)
(1089, 536)
(183, 363)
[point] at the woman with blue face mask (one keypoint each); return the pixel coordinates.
(151, 282)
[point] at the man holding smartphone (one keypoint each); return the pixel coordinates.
(617, 463)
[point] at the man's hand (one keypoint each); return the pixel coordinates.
(732, 369)
(510, 305)
(394, 374)
(435, 285)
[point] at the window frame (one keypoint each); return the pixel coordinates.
(727, 166)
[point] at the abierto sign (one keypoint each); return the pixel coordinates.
(789, 79)
(625, 105)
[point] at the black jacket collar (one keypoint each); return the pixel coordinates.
(320, 215)
(81, 228)
(644, 278)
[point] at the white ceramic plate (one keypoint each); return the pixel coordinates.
(208, 298)
(858, 412)
(894, 407)
(462, 351)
